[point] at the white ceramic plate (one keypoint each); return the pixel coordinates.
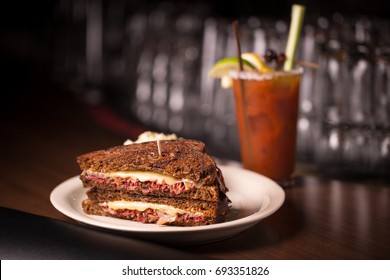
(253, 197)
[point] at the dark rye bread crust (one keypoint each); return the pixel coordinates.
(180, 158)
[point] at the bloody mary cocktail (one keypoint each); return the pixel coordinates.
(267, 112)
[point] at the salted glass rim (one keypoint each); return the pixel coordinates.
(245, 75)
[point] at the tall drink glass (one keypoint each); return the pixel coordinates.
(267, 113)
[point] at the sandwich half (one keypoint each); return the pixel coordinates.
(167, 182)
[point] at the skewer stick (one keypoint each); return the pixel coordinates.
(242, 96)
(235, 26)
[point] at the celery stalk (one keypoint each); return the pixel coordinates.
(297, 15)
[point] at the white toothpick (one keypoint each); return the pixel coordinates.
(158, 147)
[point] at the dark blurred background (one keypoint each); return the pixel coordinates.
(146, 61)
(29, 30)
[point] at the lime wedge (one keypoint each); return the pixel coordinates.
(225, 65)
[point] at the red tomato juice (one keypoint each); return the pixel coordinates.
(267, 112)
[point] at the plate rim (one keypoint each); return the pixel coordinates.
(276, 201)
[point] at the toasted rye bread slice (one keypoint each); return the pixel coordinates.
(180, 158)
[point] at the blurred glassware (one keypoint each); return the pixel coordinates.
(151, 63)
(381, 83)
